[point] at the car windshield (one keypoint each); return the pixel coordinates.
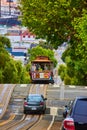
(81, 107)
(34, 98)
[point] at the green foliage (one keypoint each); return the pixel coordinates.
(4, 56)
(45, 19)
(28, 66)
(5, 41)
(39, 51)
(25, 78)
(1, 76)
(51, 20)
(11, 71)
(55, 21)
(14, 73)
(46, 45)
(67, 80)
(74, 81)
(62, 75)
(62, 68)
(76, 55)
(62, 71)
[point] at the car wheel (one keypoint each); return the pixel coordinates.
(52, 82)
(25, 112)
(43, 112)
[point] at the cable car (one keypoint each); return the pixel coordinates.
(42, 70)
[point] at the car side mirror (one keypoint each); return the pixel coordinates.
(65, 111)
(65, 114)
(24, 98)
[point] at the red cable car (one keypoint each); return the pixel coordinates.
(42, 70)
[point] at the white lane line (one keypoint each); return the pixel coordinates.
(3, 92)
(51, 123)
(53, 112)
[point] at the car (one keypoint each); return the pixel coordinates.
(35, 103)
(75, 115)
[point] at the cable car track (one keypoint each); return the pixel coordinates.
(24, 124)
(27, 124)
(11, 118)
(10, 123)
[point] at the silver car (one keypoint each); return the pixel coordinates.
(34, 103)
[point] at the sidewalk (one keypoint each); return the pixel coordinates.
(58, 55)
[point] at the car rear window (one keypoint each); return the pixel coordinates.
(34, 98)
(81, 107)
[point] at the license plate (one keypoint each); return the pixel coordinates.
(33, 108)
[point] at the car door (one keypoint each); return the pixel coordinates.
(80, 114)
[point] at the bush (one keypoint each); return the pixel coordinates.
(67, 80)
(62, 75)
(62, 68)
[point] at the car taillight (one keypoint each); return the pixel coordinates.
(41, 103)
(69, 124)
(25, 103)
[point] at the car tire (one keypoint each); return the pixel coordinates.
(43, 112)
(52, 82)
(25, 112)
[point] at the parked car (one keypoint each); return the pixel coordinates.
(75, 115)
(34, 103)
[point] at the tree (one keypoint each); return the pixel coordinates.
(1, 76)
(3, 55)
(76, 55)
(58, 21)
(51, 19)
(45, 18)
(5, 41)
(45, 45)
(11, 71)
(39, 51)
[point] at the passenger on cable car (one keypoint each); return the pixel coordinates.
(33, 68)
(42, 66)
(45, 67)
(37, 66)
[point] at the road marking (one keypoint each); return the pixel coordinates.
(56, 85)
(23, 85)
(53, 111)
(0, 110)
(51, 123)
(3, 92)
(18, 100)
(62, 92)
(28, 118)
(10, 119)
(72, 86)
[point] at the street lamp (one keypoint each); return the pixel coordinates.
(9, 6)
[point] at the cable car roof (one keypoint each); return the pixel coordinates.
(42, 59)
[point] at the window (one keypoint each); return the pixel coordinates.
(81, 107)
(34, 98)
